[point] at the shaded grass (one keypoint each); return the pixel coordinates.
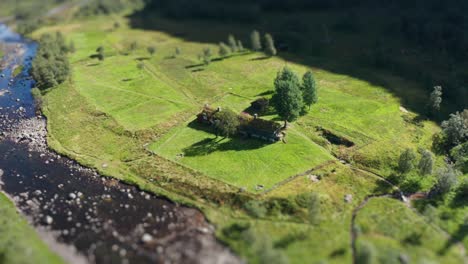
(19, 243)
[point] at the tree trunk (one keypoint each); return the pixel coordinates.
(285, 124)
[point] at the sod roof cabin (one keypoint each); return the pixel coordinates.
(250, 126)
(255, 127)
(206, 116)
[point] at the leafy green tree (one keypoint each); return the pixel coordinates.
(223, 50)
(240, 46)
(455, 129)
(233, 43)
(50, 67)
(446, 181)
(460, 155)
(151, 50)
(287, 99)
(426, 162)
(406, 161)
(100, 49)
(270, 49)
(255, 41)
(309, 89)
(435, 99)
(227, 123)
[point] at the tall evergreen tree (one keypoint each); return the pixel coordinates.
(232, 43)
(287, 98)
(426, 162)
(406, 162)
(435, 99)
(223, 50)
(151, 50)
(177, 51)
(240, 46)
(270, 48)
(255, 41)
(309, 89)
(206, 56)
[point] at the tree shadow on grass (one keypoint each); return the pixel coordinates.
(457, 237)
(210, 145)
(260, 58)
(266, 93)
(219, 144)
(142, 58)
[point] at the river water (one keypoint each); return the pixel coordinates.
(83, 216)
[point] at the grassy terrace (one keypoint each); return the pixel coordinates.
(138, 121)
(19, 243)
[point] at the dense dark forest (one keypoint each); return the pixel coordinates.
(423, 41)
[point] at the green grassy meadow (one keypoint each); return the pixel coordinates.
(139, 121)
(19, 243)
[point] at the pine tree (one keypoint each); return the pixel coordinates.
(406, 162)
(309, 89)
(232, 43)
(270, 49)
(287, 98)
(435, 99)
(256, 43)
(206, 56)
(223, 50)
(151, 50)
(240, 47)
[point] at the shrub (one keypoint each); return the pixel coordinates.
(255, 208)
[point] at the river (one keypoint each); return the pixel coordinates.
(84, 217)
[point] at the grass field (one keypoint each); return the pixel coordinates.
(113, 112)
(19, 244)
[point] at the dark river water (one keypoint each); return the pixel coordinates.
(86, 217)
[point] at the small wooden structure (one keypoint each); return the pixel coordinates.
(260, 105)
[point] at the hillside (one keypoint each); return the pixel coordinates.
(131, 116)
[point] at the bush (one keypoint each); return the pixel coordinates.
(236, 231)
(255, 209)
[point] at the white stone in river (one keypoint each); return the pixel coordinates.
(72, 196)
(48, 220)
(1, 172)
(146, 238)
